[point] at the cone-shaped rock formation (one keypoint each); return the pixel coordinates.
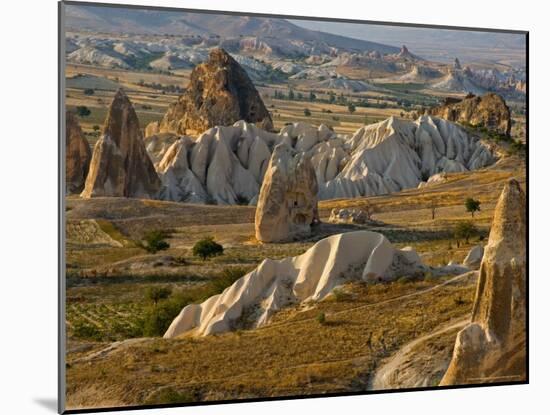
(120, 164)
(287, 205)
(219, 93)
(78, 155)
(492, 348)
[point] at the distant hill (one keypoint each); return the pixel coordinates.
(124, 20)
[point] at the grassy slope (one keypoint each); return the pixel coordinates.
(295, 355)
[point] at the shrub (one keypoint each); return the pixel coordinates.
(96, 127)
(83, 111)
(242, 200)
(159, 317)
(517, 147)
(155, 294)
(169, 395)
(351, 108)
(404, 280)
(459, 301)
(307, 112)
(465, 230)
(89, 91)
(155, 241)
(340, 295)
(206, 248)
(321, 318)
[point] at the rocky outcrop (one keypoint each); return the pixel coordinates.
(152, 128)
(219, 94)
(120, 164)
(405, 54)
(229, 163)
(287, 204)
(435, 179)
(350, 216)
(157, 146)
(474, 257)
(77, 155)
(489, 111)
(492, 348)
(253, 299)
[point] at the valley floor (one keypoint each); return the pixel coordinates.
(390, 335)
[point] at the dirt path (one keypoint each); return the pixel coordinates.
(383, 374)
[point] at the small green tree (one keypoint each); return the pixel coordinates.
(472, 205)
(312, 96)
(351, 107)
(83, 111)
(465, 230)
(155, 241)
(321, 318)
(206, 248)
(307, 112)
(155, 294)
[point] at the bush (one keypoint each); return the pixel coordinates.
(169, 395)
(459, 301)
(321, 318)
(83, 111)
(465, 230)
(155, 241)
(155, 294)
(307, 112)
(340, 295)
(517, 147)
(206, 248)
(159, 317)
(89, 91)
(242, 200)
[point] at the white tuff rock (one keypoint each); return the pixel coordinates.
(274, 284)
(230, 162)
(287, 204)
(474, 257)
(354, 216)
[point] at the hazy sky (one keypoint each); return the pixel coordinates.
(441, 44)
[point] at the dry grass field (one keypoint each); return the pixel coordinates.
(108, 286)
(295, 355)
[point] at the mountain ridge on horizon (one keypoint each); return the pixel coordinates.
(149, 22)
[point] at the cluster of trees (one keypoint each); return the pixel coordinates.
(172, 89)
(295, 96)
